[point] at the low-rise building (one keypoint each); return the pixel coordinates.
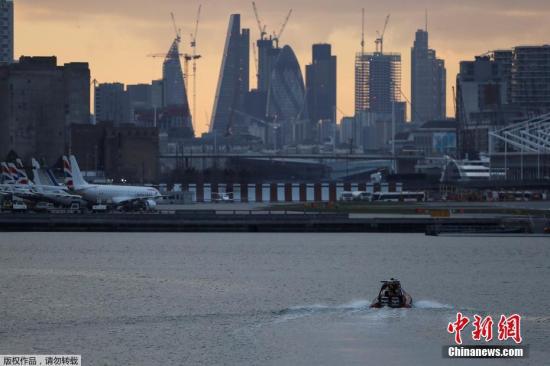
(125, 152)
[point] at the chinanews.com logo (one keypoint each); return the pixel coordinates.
(508, 329)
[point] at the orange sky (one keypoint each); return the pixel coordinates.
(115, 36)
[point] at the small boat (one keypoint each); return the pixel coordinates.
(392, 295)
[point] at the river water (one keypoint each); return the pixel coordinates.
(262, 299)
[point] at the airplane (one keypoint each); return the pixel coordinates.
(50, 192)
(10, 185)
(21, 186)
(119, 196)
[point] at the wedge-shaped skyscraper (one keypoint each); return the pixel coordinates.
(174, 93)
(233, 82)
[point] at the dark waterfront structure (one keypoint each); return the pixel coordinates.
(428, 82)
(39, 101)
(498, 89)
(435, 138)
(321, 84)
(233, 82)
(286, 100)
(122, 152)
(482, 102)
(6, 31)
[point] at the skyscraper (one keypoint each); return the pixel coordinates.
(233, 82)
(321, 84)
(6, 31)
(111, 103)
(428, 82)
(172, 77)
(377, 81)
(267, 55)
(530, 87)
(174, 93)
(286, 103)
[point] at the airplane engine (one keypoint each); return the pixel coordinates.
(150, 205)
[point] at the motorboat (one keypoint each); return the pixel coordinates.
(392, 295)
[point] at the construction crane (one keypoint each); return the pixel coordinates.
(177, 39)
(261, 28)
(194, 57)
(380, 40)
(362, 33)
(176, 29)
(277, 36)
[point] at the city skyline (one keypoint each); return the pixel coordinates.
(107, 39)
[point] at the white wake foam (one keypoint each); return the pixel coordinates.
(430, 304)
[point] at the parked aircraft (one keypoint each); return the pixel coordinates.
(119, 196)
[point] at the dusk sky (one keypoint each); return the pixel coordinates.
(115, 36)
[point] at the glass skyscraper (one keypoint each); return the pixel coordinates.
(233, 82)
(428, 82)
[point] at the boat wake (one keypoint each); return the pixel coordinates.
(362, 306)
(430, 304)
(296, 312)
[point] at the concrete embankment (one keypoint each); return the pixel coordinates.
(251, 221)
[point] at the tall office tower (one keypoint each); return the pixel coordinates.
(111, 103)
(6, 31)
(39, 101)
(157, 92)
(530, 87)
(286, 99)
(428, 82)
(377, 81)
(267, 55)
(233, 81)
(321, 84)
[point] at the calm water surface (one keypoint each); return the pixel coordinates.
(262, 299)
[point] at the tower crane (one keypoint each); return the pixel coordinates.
(261, 27)
(277, 36)
(177, 40)
(194, 57)
(176, 29)
(380, 40)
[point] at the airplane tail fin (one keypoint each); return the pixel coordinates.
(51, 178)
(14, 173)
(78, 179)
(68, 173)
(6, 175)
(21, 173)
(36, 172)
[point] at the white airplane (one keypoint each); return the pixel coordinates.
(119, 196)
